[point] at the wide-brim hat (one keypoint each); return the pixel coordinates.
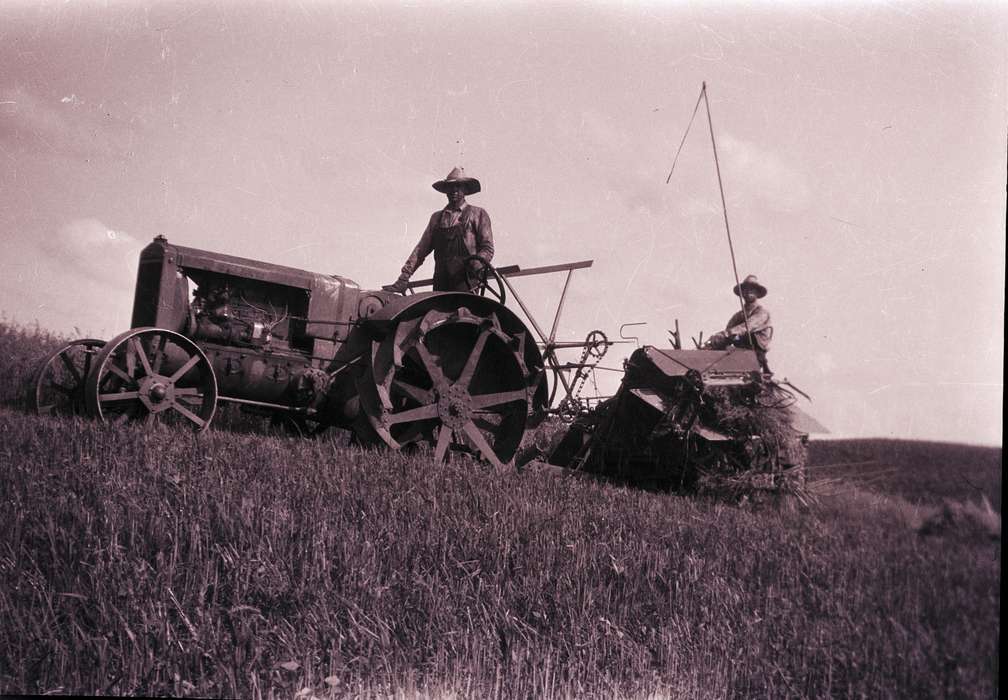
(751, 282)
(457, 176)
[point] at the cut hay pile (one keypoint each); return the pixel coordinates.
(776, 464)
(963, 519)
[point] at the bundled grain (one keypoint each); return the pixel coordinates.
(775, 455)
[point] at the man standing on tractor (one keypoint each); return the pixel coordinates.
(749, 328)
(454, 234)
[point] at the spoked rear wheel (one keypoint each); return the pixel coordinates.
(58, 388)
(453, 380)
(152, 375)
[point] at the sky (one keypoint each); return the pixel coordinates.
(862, 149)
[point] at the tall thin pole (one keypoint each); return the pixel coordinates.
(685, 134)
(724, 209)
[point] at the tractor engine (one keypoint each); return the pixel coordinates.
(251, 319)
(248, 316)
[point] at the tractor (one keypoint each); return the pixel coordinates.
(313, 351)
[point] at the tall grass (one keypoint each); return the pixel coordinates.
(22, 350)
(150, 562)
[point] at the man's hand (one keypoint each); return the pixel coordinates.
(476, 264)
(398, 287)
(718, 341)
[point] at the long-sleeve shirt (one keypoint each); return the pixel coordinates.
(759, 325)
(476, 234)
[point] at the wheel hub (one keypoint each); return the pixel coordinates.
(454, 407)
(156, 393)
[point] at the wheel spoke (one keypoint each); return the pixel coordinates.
(480, 443)
(414, 392)
(195, 400)
(443, 441)
(189, 414)
(487, 420)
(64, 356)
(120, 396)
(118, 371)
(421, 413)
(502, 397)
(47, 410)
(138, 349)
(435, 373)
(190, 363)
(158, 352)
(130, 362)
(519, 340)
(470, 366)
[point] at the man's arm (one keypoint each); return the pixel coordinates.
(420, 251)
(758, 320)
(415, 259)
(484, 237)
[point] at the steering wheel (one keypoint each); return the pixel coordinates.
(484, 271)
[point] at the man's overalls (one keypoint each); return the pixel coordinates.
(451, 273)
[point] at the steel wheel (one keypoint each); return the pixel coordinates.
(152, 375)
(451, 380)
(59, 384)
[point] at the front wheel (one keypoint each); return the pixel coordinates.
(152, 375)
(58, 389)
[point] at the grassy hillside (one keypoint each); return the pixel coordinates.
(150, 562)
(142, 561)
(919, 471)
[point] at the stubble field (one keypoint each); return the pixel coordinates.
(144, 561)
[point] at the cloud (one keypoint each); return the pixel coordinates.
(77, 280)
(765, 175)
(90, 249)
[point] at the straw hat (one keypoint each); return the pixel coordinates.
(457, 176)
(751, 282)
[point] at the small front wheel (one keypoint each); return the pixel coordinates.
(58, 389)
(152, 375)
